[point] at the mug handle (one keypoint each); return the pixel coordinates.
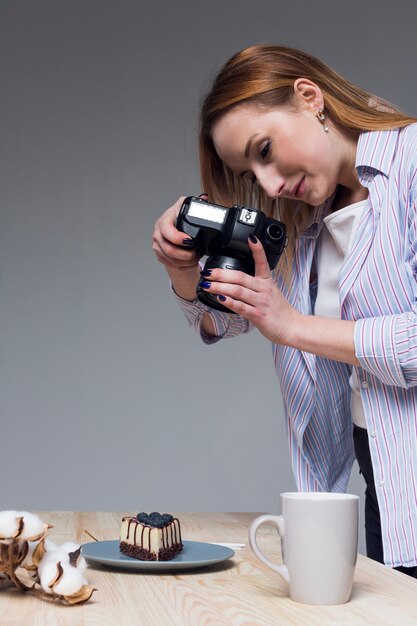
(278, 521)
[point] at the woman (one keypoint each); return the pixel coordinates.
(283, 132)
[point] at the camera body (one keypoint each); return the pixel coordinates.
(222, 233)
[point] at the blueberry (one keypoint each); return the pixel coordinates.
(154, 519)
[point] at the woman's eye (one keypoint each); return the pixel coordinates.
(265, 149)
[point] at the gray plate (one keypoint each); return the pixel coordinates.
(195, 554)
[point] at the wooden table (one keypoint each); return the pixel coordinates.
(239, 592)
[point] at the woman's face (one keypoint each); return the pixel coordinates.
(285, 150)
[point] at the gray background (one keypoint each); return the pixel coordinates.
(107, 399)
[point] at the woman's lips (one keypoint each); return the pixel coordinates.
(300, 188)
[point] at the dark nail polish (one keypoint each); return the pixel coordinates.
(205, 285)
(188, 242)
(221, 298)
(205, 272)
(253, 238)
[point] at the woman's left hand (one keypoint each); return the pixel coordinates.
(257, 298)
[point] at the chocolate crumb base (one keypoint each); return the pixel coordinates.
(166, 554)
(136, 552)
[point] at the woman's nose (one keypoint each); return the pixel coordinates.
(271, 183)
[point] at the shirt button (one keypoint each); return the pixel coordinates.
(365, 385)
(373, 434)
(382, 482)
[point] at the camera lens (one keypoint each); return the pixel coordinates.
(274, 232)
(223, 261)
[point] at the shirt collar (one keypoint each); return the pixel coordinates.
(375, 152)
(312, 231)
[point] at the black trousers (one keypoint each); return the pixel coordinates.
(373, 533)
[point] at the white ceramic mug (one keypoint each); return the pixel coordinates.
(319, 541)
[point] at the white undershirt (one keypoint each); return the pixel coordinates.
(334, 244)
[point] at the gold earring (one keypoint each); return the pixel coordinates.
(322, 119)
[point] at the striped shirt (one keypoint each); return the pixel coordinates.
(378, 289)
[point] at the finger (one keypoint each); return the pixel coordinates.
(174, 264)
(175, 253)
(262, 269)
(166, 225)
(235, 292)
(233, 277)
(164, 248)
(241, 308)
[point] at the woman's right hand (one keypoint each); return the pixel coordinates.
(181, 264)
(168, 243)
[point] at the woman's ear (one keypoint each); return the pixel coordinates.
(308, 94)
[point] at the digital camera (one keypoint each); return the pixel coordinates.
(221, 234)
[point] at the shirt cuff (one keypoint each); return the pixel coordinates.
(192, 309)
(225, 325)
(377, 342)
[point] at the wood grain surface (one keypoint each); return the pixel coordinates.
(239, 592)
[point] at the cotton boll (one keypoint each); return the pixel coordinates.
(81, 564)
(28, 561)
(74, 550)
(49, 571)
(33, 526)
(9, 524)
(46, 566)
(70, 546)
(60, 553)
(56, 555)
(70, 582)
(50, 545)
(55, 552)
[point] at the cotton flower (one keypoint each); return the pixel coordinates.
(57, 570)
(28, 562)
(68, 552)
(10, 525)
(49, 574)
(54, 552)
(70, 546)
(33, 527)
(64, 580)
(20, 525)
(50, 545)
(74, 554)
(70, 582)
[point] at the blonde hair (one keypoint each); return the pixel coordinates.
(264, 75)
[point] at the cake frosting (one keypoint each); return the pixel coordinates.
(151, 537)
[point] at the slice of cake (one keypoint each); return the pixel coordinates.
(151, 537)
